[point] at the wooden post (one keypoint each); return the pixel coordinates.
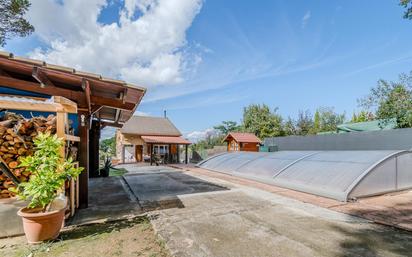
(186, 146)
(151, 154)
(84, 159)
(169, 154)
(94, 137)
(178, 153)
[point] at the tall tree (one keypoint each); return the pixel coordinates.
(227, 126)
(261, 121)
(12, 21)
(391, 100)
(304, 124)
(329, 119)
(289, 127)
(408, 6)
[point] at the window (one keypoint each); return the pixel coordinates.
(160, 149)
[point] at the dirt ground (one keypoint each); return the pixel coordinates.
(133, 237)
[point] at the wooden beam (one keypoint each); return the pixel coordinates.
(114, 103)
(3, 73)
(86, 88)
(41, 77)
(35, 87)
(83, 129)
(111, 124)
(95, 108)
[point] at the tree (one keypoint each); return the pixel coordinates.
(362, 116)
(391, 100)
(12, 22)
(289, 127)
(408, 6)
(261, 121)
(329, 119)
(227, 126)
(108, 147)
(304, 124)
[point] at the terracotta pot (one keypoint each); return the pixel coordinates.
(39, 226)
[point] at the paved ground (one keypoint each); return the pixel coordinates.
(109, 199)
(246, 221)
(393, 209)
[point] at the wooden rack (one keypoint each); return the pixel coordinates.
(62, 107)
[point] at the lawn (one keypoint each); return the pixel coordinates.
(117, 172)
(134, 237)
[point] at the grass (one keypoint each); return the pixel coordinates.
(117, 172)
(133, 237)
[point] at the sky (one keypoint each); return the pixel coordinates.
(204, 61)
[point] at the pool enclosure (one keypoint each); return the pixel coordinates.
(341, 175)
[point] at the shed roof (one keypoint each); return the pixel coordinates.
(242, 137)
(108, 99)
(150, 126)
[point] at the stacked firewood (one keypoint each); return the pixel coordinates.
(16, 140)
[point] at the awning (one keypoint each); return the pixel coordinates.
(165, 140)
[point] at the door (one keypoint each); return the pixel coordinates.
(139, 153)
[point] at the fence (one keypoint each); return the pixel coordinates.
(396, 139)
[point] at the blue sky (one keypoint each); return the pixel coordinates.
(294, 55)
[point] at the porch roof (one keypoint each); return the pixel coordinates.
(165, 140)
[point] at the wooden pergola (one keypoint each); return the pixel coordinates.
(101, 102)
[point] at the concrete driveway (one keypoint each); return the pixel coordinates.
(245, 221)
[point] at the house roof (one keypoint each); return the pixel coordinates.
(241, 137)
(108, 99)
(150, 126)
(368, 125)
(165, 140)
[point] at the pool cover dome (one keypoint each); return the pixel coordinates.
(341, 175)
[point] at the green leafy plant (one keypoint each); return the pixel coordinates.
(48, 172)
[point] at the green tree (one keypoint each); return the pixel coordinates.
(362, 116)
(12, 21)
(316, 123)
(408, 6)
(329, 119)
(261, 121)
(304, 124)
(107, 148)
(391, 100)
(227, 126)
(289, 127)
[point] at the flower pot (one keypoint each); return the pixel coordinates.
(39, 226)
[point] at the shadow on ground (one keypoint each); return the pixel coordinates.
(161, 190)
(101, 228)
(366, 241)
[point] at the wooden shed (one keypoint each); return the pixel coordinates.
(238, 141)
(100, 102)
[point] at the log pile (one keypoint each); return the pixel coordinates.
(16, 140)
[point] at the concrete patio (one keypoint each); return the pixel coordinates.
(235, 219)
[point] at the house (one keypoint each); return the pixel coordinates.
(146, 138)
(237, 141)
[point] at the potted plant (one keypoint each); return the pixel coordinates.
(107, 165)
(44, 215)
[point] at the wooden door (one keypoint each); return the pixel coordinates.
(139, 153)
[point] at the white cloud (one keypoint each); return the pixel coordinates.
(148, 50)
(196, 136)
(305, 19)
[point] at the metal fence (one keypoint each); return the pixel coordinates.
(396, 139)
